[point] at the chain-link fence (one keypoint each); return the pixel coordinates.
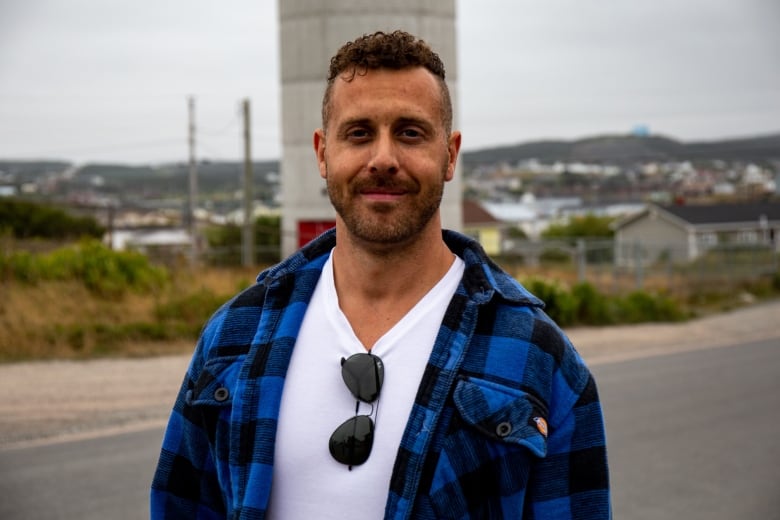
(610, 266)
(618, 267)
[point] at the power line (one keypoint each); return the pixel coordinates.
(216, 133)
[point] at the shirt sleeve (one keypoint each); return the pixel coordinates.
(186, 483)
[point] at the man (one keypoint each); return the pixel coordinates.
(486, 409)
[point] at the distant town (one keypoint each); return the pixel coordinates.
(525, 187)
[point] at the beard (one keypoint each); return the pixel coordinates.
(386, 223)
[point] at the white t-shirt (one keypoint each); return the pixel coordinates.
(307, 481)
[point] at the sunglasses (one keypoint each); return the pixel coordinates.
(351, 443)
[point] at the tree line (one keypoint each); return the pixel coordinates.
(23, 219)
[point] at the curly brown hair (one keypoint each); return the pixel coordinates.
(396, 50)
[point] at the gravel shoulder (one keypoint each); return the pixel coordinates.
(54, 401)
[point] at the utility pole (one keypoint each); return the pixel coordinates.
(247, 232)
(193, 185)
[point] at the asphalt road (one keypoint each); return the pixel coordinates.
(693, 435)
(100, 478)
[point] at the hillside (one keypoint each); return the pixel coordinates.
(623, 149)
(138, 183)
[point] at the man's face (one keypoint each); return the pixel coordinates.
(384, 154)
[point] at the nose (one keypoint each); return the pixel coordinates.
(384, 157)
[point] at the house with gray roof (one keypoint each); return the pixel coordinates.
(682, 233)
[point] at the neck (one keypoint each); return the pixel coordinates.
(377, 286)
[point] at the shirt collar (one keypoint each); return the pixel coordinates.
(482, 278)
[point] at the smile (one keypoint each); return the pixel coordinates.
(378, 193)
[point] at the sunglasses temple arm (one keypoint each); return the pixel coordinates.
(354, 431)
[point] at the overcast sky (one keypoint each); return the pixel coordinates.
(93, 80)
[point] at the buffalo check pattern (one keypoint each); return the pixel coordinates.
(506, 421)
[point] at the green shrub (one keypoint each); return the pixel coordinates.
(559, 303)
(584, 305)
(586, 226)
(22, 266)
(640, 306)
(30, 220)
(225, 241)
(592, 307)
(101, 270)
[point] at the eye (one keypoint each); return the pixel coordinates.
(358, 134)
(411, 133)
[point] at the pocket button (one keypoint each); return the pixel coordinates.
(221, 394)
(503, 429)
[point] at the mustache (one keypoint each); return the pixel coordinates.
(390, 182)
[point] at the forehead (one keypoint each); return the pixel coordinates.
(414, 91)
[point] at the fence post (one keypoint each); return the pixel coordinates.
(638, 265)
(581, 260)
(618, 259)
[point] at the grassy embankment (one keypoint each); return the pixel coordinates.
(83, 301)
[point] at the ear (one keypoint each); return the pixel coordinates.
(319, 150)
(453, 149)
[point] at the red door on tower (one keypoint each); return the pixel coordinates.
(308, 230)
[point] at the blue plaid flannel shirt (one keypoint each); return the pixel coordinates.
(506, 421)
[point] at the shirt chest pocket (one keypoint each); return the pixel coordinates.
(503, 414)
(213, 395)
(216, 384)
(494, 437)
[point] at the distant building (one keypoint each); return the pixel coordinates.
(481, 225)
(685, 232)
(530, 214)
(165, 245)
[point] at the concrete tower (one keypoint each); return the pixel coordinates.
(310, 32)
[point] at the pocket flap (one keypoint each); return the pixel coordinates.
(215, 385)
(502, 413)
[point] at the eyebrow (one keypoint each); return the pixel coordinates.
(414, 121)
(365, 121)
(357, 121)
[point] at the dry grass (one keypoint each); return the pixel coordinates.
(39, 321)
(64, 320)
(216, 279)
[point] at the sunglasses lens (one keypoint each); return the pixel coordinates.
(351, 442)
(363, 374)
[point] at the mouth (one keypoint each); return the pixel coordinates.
(381, 189)
(382, 192)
